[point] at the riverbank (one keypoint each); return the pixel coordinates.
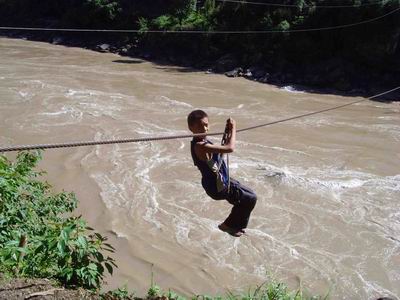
(335, 76)
(45, 289)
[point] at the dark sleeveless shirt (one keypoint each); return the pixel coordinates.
(214, 180)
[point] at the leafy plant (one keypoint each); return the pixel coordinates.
(120, 293)
(154, 290)
(38, 235)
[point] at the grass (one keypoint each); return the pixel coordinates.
(271, 290)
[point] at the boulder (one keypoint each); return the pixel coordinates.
(235, 72)
(257, 72)
(103, 47)
(248, 74)
(123, 51)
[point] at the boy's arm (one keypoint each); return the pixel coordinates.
(229, 147)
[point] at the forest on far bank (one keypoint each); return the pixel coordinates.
(370, 49)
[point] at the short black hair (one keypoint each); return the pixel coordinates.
(195, 116)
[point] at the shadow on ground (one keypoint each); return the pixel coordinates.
(128, 61)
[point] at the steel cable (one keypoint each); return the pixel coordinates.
(160, 138)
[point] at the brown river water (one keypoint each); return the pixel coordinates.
(327, 216)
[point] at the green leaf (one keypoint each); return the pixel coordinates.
(82, 242)
(109, 268)
(61, 247)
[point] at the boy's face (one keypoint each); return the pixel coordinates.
(201, 126)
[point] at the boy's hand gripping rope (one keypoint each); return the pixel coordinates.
(160, 138)
(224, 140)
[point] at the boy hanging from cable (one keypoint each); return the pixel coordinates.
(215, 176)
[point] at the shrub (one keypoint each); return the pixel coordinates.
(38, 235)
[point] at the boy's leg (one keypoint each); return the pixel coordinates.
(243, 200)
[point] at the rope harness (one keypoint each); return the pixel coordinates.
(160, 138)
(225, 139)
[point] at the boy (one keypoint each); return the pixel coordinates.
(215, 179)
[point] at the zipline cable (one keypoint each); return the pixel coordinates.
(315, 112)
(304, 5)
(159, 138)
(199, 31)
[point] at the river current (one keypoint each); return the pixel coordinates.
(327, 217)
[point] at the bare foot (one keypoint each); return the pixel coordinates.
(231, 231)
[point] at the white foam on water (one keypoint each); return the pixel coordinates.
(291, 89)
(294, 253)
(260, 270)
(98, 109)
(280, 149)
(393, 130)
(34, 83)
(373, 288)
(166, 101)
(319, 121)
(185, 88)
(147, 191)
(89, 94)
(353, 191)
(388, 118)
(322, 179)
(24, 94)
(387, 183)
(182, 229)
(73, 115)
(61, 112)
(79, 93)
(231, 111)
(380, 128)
(233, 165)
(285, 248)
(128, 184)
(148, 128)
(109, 190)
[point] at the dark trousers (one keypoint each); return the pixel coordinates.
(243, 200)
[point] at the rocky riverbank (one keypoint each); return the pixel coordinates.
(334, 76)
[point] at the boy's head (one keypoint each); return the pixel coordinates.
(198, 121)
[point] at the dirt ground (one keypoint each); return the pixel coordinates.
(35, 289)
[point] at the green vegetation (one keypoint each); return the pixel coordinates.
(267, 291)
(39, 238)
(374, 45)
(119, 293)
(364, 57)
(38, 235)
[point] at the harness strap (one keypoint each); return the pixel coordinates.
(223, 142)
